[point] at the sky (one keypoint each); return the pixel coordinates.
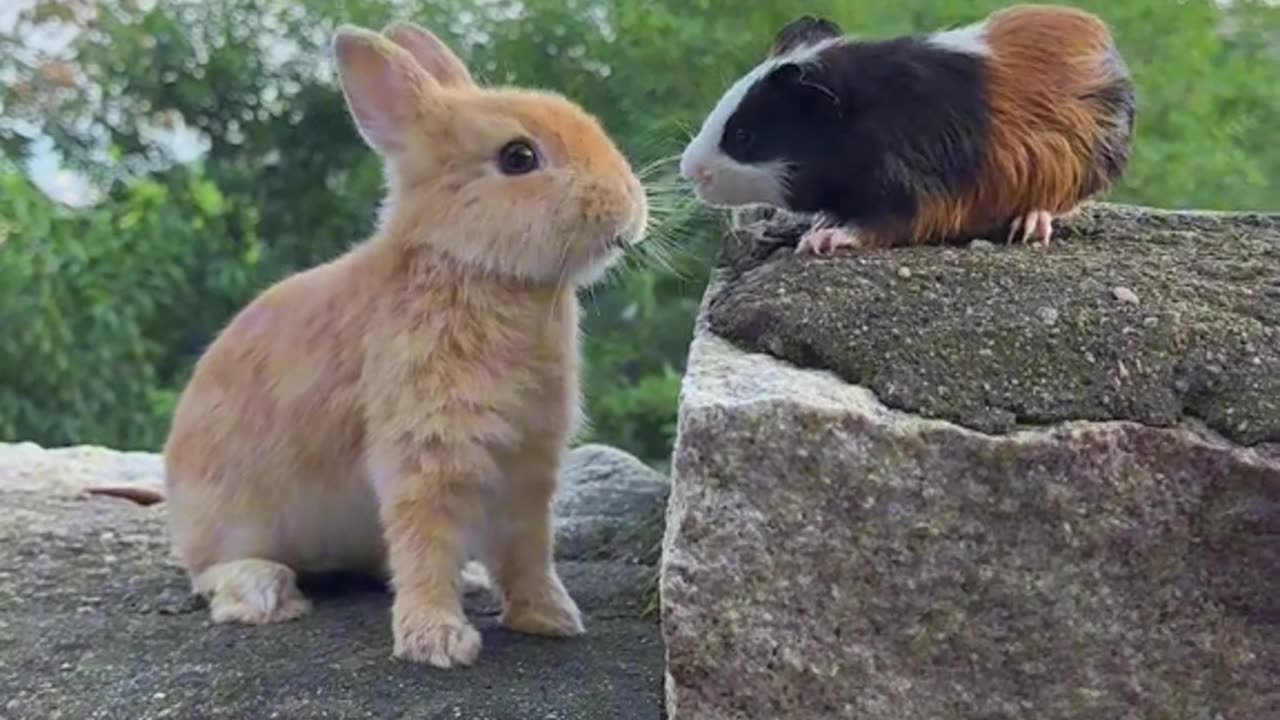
(44, 167)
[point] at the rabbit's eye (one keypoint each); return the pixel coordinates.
(517, 158)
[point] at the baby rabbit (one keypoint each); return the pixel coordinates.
(405, 407)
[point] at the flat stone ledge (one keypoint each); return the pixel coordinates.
(1163, 318)
(96, 621)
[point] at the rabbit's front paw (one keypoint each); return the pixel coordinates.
(434, 636)
(547, 611)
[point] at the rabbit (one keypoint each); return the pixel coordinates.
(405, 407)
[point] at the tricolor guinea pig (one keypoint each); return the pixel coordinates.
(1002, 125)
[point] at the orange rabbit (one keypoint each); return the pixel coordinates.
(404, 408)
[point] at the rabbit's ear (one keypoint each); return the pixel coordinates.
(431, 53)
(383, 86)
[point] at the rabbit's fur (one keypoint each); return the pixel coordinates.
(405, 407)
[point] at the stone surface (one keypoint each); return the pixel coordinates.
(830, 555)
(96, 622)
(1158, 317)
(609, 506)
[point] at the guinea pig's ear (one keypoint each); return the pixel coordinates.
(383, 86)
(806, 82)
(431, 53)
(803, 31)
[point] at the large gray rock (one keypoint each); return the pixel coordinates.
(904, 492)
(96, 621)
(609, 506)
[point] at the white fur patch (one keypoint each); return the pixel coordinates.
(251, 591)
(731, 183)
(970, 39)
(735, 184)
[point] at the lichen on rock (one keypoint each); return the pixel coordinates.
(963, 334)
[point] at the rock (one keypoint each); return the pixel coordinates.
(27, 467)
(96, 621)
(966, 321)
(849, 538)
(609, 506)
(1125, 295)
(1047, 315)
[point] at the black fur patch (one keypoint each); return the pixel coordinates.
(868, 129)
(1116, 105)
(802, 31)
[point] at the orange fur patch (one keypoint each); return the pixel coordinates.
(386, 410)
(1045, 61)
(140, 496)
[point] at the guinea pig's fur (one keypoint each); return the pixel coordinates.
(1001, 125)
(405, 407)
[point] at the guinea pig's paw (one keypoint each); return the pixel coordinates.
(549, 611)
(251, 591)
(824, 241)
(1035, 224)
(434, 636)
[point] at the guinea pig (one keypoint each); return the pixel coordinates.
(405, 407)
(1004, 125)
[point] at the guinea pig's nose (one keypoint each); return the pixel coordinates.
(695, 173)
(688, 169)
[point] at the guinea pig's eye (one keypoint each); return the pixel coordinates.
(743, 136)
(518, 158)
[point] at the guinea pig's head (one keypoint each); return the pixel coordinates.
(771, 126)
(514, 183)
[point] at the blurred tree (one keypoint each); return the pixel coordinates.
(93, 302)
(282, 180)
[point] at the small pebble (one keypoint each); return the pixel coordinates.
(1125, 295)
(982, 245)
(1047, 315)
(904, 272)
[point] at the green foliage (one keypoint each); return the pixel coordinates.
(105, 308)
(95, 303)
